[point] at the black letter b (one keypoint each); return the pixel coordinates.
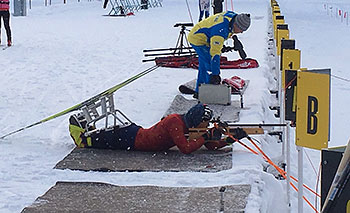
(312, 108)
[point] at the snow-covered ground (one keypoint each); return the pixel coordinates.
(64, 54)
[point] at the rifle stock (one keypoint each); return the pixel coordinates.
(194, 133)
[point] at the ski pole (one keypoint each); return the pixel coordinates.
(88, 101)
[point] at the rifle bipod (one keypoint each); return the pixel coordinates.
(182, 47)
(103, 112)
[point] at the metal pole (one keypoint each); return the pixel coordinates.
(300, 179)
(288, 166)
(222, 202)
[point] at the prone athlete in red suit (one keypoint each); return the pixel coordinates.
(167, 133)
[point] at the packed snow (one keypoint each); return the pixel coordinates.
(65, 53)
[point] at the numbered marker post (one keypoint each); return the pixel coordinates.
(312, 116)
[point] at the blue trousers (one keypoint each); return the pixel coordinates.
(201, 13)
(116, 138)
(204, 60)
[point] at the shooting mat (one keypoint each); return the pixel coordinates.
(172, 160)
(102, 197)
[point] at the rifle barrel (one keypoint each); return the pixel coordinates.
(257, 125)
(167, 49)
(178, 54)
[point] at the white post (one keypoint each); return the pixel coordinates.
(281, 104)
(300, 179)
(288, 166)
(283, 121)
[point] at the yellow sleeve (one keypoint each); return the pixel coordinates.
(216, 44)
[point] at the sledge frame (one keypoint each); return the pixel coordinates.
(103, 109)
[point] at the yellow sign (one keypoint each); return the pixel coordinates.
(275, 23)
(313, 100)
(281, 34)
(348, 207)
(290, 61)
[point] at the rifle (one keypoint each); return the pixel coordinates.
(237, 46)
(250, 129)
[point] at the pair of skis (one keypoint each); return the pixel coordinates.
(4, 47)
(88, 101)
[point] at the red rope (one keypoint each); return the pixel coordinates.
(289, 83)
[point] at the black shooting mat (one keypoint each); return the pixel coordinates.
(102, 197)
(173, 160)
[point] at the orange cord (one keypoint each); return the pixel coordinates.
(281, 171)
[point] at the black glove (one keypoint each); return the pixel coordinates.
(229, 140)
(215, 79)
(226, 49)
(213, 134)
(237, 44)
(239, 133)
(208, 113)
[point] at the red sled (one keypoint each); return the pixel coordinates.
(175, 61)
(192, 62)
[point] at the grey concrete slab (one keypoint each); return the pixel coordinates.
(181, 105)
(172, 160)
(101, 197)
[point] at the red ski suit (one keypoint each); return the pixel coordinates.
(168, 133)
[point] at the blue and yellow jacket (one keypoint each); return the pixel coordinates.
(212, 32)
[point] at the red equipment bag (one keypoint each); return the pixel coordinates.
(236, 83)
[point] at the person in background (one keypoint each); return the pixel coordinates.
(207, 39)
(5, 15)
(204, 6)
(217, 6)
(165, 134)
